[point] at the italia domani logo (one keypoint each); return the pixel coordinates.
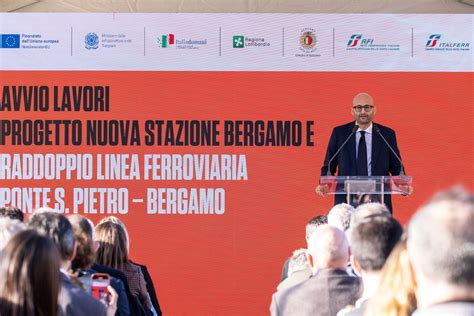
(240, 41)
(170, 40)
(358, 42)
(434, 43)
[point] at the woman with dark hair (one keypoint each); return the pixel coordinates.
(113, 252)
(29, 270)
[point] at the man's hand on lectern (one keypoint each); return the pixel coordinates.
(322, 189)
(408, 190)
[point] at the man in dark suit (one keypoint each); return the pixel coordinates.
(330, 288)
(372, 241)
(365, 153)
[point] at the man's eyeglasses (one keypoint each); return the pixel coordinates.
(367, 108)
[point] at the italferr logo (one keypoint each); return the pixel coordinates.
(433, 40)
(434, 43)
(354, 40)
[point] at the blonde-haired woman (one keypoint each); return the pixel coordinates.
(113, 252)
(396, 292)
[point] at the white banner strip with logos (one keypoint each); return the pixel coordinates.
(237, 42)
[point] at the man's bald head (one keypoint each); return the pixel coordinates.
(363, 98)
(363, 109)
(328, 248)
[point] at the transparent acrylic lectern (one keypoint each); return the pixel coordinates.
(361, 189)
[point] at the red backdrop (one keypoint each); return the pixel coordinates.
(231, 264)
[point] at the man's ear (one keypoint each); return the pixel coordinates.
(73, 254)
(96, 245)
(355, 265)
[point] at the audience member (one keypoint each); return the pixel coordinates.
(311, 226)
(29, 269)
(340, 216)
(372, 240)
(12, 212)
(150, 286)
(298, 270)
(8, 228)
(395, 295)
(441, 250)
(331, 288)
(72, 299)
(113, 252)
(85, 257)
(368, 209)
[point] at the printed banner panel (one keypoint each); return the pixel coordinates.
(237, 42)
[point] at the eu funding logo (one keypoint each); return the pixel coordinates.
(360, 43)
(434, 43)
(10, 41)
(240, 41)
(165, 40)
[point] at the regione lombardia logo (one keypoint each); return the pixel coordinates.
(238, 41)
(433, 40)
(92, 41)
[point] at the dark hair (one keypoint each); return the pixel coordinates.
(56, 227)
(85, 253)
(314, 223)
(30, 276)
(373, 239)
(12, 212)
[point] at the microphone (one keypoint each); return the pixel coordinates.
(354, 130)
(377, 129)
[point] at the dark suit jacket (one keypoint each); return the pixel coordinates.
(150, 288)
(123, 306)
(384, 162)
(74, 301)
(324, 294)
(136, 308)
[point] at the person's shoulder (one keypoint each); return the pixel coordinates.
(448, 308)
(385, 129)
(345, 126)
(72, 297)
(131, 268)
(112, 272)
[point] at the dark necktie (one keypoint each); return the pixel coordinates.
(362, 156)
